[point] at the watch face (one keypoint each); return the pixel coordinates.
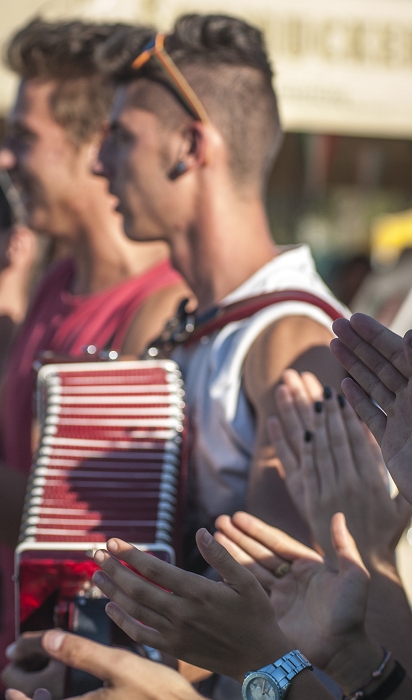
(261, 688)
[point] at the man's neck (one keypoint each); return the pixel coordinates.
(104, 257)
(226, 245)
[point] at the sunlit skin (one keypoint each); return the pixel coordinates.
(201, 214)
(53, 174)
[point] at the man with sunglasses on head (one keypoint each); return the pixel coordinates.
(110, 293)
(194, 133)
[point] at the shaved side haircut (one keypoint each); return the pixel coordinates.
(225, 61)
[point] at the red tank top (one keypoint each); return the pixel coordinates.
(66, 324)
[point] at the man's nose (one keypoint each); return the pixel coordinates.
(7, 159)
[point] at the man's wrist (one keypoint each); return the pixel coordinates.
(352, 666)
(277, 647)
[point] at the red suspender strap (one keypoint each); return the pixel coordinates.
(248, 307)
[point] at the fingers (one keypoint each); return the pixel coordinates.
(367, 456)
(344, 544)
(139, 598)
(370, 414)
(313, 386)
(275, 540)
(251, 548)
(40, 694)
(321, 460)
(385, 341)
(284, 452)
(81, 653)
(300, 398)
(262, 574)
(339, 443)
(369, 380)
(151, 568)
(26, 646)
(373, 336)
(136, 631)
(219, 558)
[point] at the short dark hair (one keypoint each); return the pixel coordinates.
(66, 52)
(225, 61)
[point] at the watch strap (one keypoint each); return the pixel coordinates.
(284, 670)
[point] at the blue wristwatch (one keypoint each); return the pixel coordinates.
(272, 682)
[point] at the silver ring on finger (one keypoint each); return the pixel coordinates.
(282, 569)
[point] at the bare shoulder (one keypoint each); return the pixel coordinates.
(294, 341)
(152, 316)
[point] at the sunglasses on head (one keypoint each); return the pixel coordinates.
(155, 49)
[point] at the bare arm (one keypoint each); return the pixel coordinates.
(152, 316)
(297, 342)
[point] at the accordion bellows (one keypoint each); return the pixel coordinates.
(108, 463)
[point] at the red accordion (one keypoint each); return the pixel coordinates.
(109, 464)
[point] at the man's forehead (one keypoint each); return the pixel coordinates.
(33, 98)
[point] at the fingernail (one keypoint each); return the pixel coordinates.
(11, 650)
(207, 537)
(52, 641)
(99, 556)
(308, 436)
(112, 545)
(327, 392)
(98, 578)
(341, 400)
(318, 406)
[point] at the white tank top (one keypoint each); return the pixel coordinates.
(222, 424)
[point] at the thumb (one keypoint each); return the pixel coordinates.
(219, 558)
(81, 653)
(344, 545)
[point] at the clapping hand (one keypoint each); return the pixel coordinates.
(318, 606)
(333, 464)
(227, 627)
(381, 364)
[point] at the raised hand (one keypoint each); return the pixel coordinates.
(318, 607)
(336, 466)
(126, 676)
(227, 627)
(381, 364)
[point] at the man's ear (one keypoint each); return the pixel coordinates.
(199, 146)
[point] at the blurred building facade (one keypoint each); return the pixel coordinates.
(343, 75)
